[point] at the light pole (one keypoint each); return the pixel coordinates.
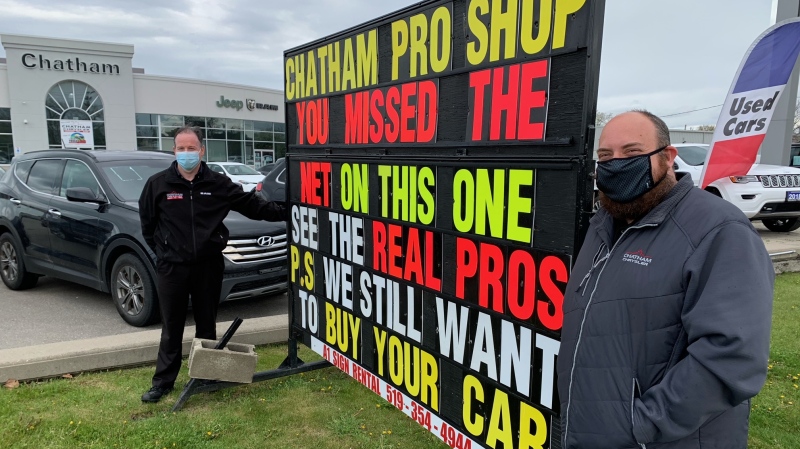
(776, 147)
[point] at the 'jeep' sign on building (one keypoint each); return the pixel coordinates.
(438, 162)
(238, 104)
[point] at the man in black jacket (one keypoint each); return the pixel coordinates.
(667, 313)
(181, 210)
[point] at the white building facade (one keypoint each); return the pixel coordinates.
(47, 84)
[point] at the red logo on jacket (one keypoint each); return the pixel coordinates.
(174, 196)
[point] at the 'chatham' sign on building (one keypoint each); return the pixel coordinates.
(31, 61)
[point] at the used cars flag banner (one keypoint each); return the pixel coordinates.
(748, 109)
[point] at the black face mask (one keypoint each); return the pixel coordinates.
(626, 179)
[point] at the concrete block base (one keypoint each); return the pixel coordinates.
(234, 363)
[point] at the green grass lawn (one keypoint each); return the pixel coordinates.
(775, 415)
(320, 409)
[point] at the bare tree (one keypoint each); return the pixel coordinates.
(706, 127)
(602, 118)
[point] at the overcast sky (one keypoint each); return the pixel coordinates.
(666, 56)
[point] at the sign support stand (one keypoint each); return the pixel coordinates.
(291, 365)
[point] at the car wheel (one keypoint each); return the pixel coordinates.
(134, 291)
(782, 224)
(12, 267)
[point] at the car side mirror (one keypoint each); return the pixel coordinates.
(84, 195)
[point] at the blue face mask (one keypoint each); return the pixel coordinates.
(625, 179)
(188, 160)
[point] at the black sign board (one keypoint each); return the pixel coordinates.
(438, 162)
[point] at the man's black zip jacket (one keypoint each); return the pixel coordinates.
(182, 220)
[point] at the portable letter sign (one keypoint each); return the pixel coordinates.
(438, 171)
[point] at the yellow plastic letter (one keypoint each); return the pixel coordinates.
(518, 205)
(503, 22)
(440, 59)
(419, 34)
(476, 50)
(530, 45)
(399, 45)
(463, 204)
(563, 9)
(367, 58)
(472, 390)
(289, 84)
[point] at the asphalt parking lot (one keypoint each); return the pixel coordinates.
(779, 241)
(57, 310)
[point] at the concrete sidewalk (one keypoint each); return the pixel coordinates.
(55, 359)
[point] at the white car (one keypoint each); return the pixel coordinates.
(770, 193)
(241, 174)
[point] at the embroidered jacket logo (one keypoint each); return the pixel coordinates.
(637, 257)
(174, 196)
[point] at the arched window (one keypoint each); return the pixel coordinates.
(74, 100)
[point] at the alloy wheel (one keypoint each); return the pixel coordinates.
(8, 262)
(130, 290)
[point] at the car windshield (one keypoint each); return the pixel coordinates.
(241, 170)
(127, 178)
(693, 155)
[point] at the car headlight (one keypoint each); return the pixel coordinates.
(743, 179)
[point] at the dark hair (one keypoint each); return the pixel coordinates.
(662, 131)
(190, 129)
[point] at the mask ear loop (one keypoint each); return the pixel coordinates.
(655, 184)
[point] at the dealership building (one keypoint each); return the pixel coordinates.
(57, 93)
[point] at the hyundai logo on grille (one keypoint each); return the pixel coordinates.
(265, 241)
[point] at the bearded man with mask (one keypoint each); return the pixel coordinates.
(181, 210)
(667, 313)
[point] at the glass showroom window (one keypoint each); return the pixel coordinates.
(74, 100)
(6, 140)
(226, 140)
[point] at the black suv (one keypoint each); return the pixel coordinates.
(273, 186)
(73, 215)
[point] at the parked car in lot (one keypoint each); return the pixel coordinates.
(770, 193)
(241, 174)
(266, 168)
(273, 186)
(73, 215)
